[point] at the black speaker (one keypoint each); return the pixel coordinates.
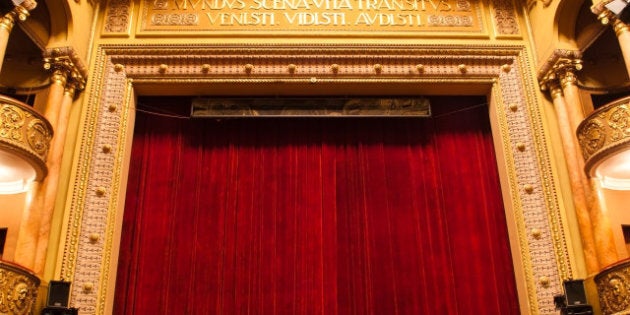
(575, 293)
(53, 310)
(58, 293)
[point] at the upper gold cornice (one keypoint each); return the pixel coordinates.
(296, 62)
(64, 61)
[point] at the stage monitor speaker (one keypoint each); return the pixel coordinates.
(575, 293)
(58, 293)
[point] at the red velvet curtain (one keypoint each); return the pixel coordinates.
(316, 216)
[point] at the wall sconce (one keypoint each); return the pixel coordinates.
(24, 143)
(604, 138)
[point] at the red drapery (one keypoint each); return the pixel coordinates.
(316, 216)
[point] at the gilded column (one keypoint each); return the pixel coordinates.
(67, 78)
(21, 12)
(552, 84)
(595, 229)
(51, 182)
(621, 29)
(623, 35)
(29, 234)
(602, 230)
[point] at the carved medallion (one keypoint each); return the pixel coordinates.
(613, 286)
(18, 290)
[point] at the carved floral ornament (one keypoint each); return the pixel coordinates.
(25, 132)
(64, 62)
(18, 290)
(605, 131)
(561, 66)
(613, 285)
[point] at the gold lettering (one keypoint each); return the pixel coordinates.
(439, 5)
(319, 19)
(389, 15)
(365, 19)
(343, 4)
(241, 19)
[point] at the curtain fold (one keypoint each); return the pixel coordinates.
(316, 216)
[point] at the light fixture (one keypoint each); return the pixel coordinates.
(604, 137)
(617, 6)
(24, 142)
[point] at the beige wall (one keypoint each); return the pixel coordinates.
(619, 213)
(11, 217)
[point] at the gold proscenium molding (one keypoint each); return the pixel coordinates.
(18, 289)
(25, 135)
(604, 136)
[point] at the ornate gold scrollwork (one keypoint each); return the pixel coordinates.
(561, 72)
(66, 67)
(21, 12)
(25, 132)
(613, 286)
(607, 129)
(18, 290)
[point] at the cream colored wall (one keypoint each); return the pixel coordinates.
(618, 210)
(11, 218)
(71, 25)
(553, 30)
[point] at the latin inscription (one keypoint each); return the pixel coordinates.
(349, 15)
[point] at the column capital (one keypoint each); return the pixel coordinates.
(561, 73)
(64, 61)
(619, 26)
(19, 12)
(606, 16)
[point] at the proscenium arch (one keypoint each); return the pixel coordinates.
(60, 22)
(502, 73)
(564, 22)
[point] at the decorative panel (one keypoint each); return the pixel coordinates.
(312, 17)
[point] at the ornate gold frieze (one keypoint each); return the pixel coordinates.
(310, 16)
(605, 131)
(505, 18)
(613, 286)
(118, 17)
(18, 289)
(25, 132)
